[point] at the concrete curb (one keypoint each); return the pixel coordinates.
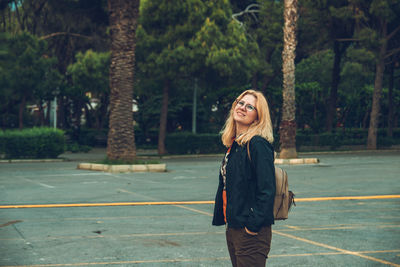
(123, 168)
(297, 161)
(366, 151)
(30, 160)
(149, 167)
(184, 156)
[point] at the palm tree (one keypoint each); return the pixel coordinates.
(123, 15)
(375, 111)
(163, 119)
(287, 128)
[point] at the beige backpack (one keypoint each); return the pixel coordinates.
(284, 198)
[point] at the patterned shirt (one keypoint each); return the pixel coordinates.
(223, 174)
(223, 167)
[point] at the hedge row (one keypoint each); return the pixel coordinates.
(346, 137)
(188, 143)
(87, 137)
(35, 143)
(98, 137)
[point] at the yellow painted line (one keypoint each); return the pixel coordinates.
(346, 198)
(330, 253)
(333, 228)
(106, 204)
(320, 228)
(139, 235)
(122, 262)
(344, 251)
(154, 203)
(194, 259)
(379, 251)
(117, 236)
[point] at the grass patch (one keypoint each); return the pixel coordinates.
(127, 162)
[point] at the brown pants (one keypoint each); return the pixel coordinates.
(246, 250)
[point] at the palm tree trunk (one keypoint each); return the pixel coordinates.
(21, 112)
(331, 112)
(123, 17)
(287, 128)
(163, 119)
(376, 98)
(62, 120)
(41, 112)
(47, 119)
(390, 98)
(375, 112)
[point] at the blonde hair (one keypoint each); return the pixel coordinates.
(262, 126)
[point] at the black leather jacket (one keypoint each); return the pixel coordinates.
(250, 187)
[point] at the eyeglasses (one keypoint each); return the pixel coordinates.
(249, 107)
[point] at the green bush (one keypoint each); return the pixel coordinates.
(98, 138)
(87, 137)
(76, 148)
(345, 137)
(2, 144)
(108, 161)
(34, 143)
(189, 143)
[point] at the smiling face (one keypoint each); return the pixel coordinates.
(243, 114)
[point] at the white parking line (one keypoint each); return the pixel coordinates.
(38, 183)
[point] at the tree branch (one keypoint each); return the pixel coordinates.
(247, 10)
(18, 16)
(63, 33)
(392, 33)
(392, 52)
(347, 39)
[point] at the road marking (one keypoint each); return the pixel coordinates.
(295, 229)
(179, 206)
(122, 262)
(136, 194)
(346, 198)
(131, 179)
(10, 223)
(116, 236)
(195, 210)
(106, 204)
(344, 251)
(152, 203)
(35, 182)
(331, 253)
(38, 239)
(179, 203)
(196, 259)
(76, 174)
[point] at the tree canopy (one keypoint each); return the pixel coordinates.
(347, 63)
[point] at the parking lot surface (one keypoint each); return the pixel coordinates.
(322, 230)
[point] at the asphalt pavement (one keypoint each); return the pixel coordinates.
(347, 214)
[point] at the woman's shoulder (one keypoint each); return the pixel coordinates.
(258, 141)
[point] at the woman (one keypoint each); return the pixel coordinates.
(246, 191)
